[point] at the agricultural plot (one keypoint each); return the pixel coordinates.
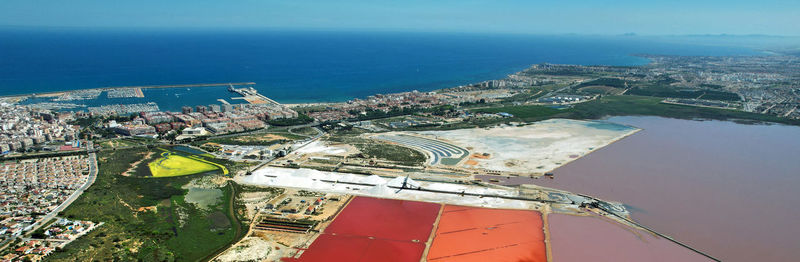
(172, 164)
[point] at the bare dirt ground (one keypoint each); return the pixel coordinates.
(536, 148)
(134, 165)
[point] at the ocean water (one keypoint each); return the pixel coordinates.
(298, 66)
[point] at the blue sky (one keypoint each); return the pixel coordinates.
(646, 17)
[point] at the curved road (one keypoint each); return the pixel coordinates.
(75, 195)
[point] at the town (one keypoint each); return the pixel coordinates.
(34, 190)
(382, 142)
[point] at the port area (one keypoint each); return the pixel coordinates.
(400, 219)
(121, 98)
(251, 95)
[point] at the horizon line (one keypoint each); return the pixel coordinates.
(373, 30)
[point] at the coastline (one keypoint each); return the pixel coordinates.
(62, 92)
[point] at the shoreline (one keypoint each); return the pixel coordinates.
(107, 88)
(300, 103)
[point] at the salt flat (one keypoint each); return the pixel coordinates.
(375, 186)
(535, 148)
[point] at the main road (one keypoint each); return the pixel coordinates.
(75, 195)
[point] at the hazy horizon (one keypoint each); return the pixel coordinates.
(650, 18)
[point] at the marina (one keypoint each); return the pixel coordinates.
(166, 97)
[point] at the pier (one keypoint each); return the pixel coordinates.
(109, 88)
(251, 95)
(185, 85)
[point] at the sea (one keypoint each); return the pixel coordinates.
(297, 66)
(725, 188)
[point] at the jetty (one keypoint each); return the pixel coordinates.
(251, 95)
(185, 85)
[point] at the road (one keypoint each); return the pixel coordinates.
(75, 195)
(312, 124)
(319, 132)
(235, 223)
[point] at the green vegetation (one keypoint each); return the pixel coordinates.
(375, 114)
(262, 139)
(306, 131)
(402, 155)
(169, 165)
(524, 112)
(612, 82)
(626, 105)
(145, 219)
(719, 95)
(637, 105)
(383, 151)
(301, 119)
(663, 91)
(658, 90)
(711, 86)
(127, 142)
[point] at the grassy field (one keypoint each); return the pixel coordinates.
(263, 139)
(629, 105)
(146, 219)
(383, 151)
(127, 142)
(642, 105)
(306, 131)
(169, 165)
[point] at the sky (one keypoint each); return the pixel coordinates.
(604, 17)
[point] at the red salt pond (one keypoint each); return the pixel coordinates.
(576, 238)
(481, 234)
(372, 229)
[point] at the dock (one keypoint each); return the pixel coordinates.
(60, 93)
(184, 85)
(251, 95)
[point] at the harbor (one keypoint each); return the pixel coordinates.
(164, 97)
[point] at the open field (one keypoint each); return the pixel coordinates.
(534, 148)
(621, 106)
(382, 151)
(640, 105)
(526, 112)
(438, 151)
(262, 139)
(147, 219)
(126, 142)
(169, 165)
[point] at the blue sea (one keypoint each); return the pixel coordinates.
(293, 66)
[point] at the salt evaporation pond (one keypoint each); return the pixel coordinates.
(724, 188)
(467, 234)
(374, 229)
(591, 238)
